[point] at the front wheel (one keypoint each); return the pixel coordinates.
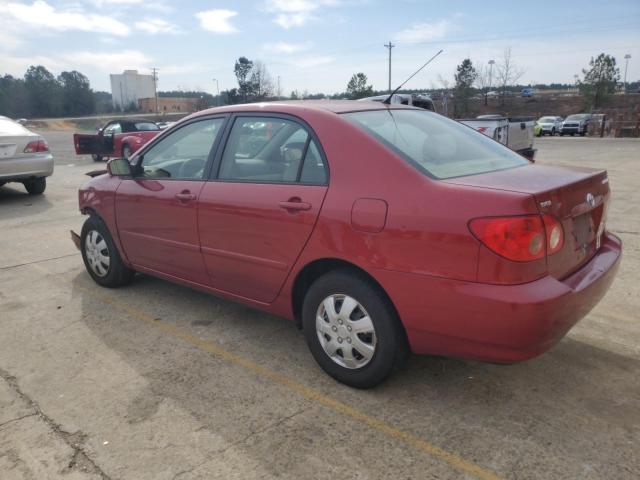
(352, 330)
(100, 255)
(36, 186)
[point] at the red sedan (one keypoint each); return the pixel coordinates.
(118, 138)
(379, 229)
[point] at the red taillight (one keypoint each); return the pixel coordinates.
(522, 239)
(36, 146)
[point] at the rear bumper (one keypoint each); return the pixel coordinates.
(28, 167)
(495, 323)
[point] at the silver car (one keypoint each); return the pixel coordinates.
(24, 157)
(550, 125)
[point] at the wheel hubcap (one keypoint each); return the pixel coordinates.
(345, 331)
(97, 253)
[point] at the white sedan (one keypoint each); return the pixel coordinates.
(24, 157)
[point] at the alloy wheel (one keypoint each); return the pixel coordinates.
(345, 331)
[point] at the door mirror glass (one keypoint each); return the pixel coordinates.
(119, 167)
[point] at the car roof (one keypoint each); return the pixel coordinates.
(294, 106)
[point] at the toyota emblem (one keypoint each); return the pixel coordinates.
(591, 200)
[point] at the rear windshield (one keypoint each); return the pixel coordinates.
(440, 147)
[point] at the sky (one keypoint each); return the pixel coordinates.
(313, 45)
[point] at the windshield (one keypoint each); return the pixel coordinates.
(577, 117)
(547, 120)
(436, 145)
(144, 126)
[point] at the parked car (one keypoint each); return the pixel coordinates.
(118, 138)
(379, 229)
(537, 130)
(515, 132)
(526, 92)
(550, 125)
(576, 124)
(24, 157)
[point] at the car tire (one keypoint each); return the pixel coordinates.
(126, 151)
(381, 338)
(553, 132)
(100, 255)
(96, 157)
(36, 186)
(561, 134)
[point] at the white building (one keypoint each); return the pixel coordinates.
(129, 87)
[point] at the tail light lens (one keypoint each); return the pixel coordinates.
(522, 238)
(36, 146)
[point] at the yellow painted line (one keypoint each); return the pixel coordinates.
(309, 393)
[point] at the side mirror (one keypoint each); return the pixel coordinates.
(119, 167)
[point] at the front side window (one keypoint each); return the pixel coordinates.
(182, 154)
(440, 147)
(268, 150)
(112, 129)
(146, 126)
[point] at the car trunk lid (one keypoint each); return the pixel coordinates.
(577, 197)
(13, 146)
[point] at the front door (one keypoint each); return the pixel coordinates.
(255, 219)
(156, 210)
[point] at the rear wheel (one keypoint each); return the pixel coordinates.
(36, 186)
(96, 157)
(352, 330)
(126, 151)
(101, 257)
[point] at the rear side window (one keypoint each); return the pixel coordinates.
(440, 147)
(270, 150)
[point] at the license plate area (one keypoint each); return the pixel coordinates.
(7, 150)
(586, 228)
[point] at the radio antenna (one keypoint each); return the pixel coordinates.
(388, 99)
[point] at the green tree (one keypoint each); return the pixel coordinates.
(600, 80)
(45, 93)
(77, 96)
(242, 70)
(465, 76)
(14, 97)
(358, 88)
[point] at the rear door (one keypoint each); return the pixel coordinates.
(258, 214)
(156, 210)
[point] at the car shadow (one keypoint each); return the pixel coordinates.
(576, 401)
(16, 202)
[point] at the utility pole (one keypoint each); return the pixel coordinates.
(491, 63)
(279, 91)
(626, 64)
(389, 46)
(217, 90)
(155, 86)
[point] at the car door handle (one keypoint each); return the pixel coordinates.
(295, 205)
(185, 196)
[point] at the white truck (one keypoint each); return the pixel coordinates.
(515, 132)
